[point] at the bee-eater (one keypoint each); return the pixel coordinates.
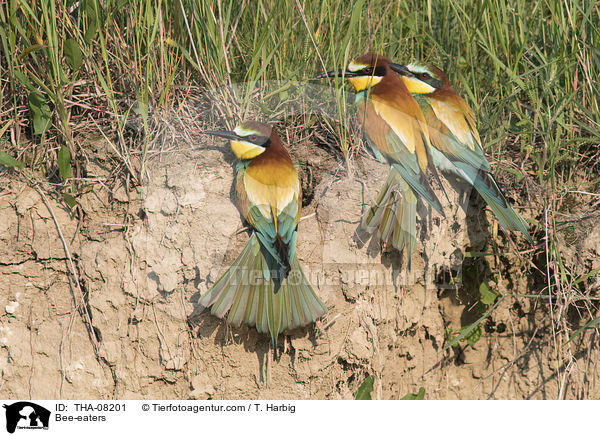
(456, 146)
(398, 135)
(265, 286)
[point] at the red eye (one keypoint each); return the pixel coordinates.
(368, 70)
(425, 76)
(253, 138)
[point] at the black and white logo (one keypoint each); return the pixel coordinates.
(26, 415)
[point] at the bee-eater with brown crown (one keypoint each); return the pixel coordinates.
(265, 286)
(456, 146)
(397, 135)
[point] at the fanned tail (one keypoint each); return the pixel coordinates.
(394, 215)
(252, 292)
(294, 304)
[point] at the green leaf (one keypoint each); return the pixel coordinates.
(42, 115)
(92, 21)
(365, 389)
(474, 335)
(466, 331)
(8, 161)
(450, 337)
(73, 54)
(64, 163)
(592, 323)
(586, 276)
(418, 396)
(70, 200)
(517, 173)
(24, 80)
(120, 4)
(355, 17)
(487, 295)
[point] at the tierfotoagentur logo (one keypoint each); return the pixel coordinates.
(26, 415)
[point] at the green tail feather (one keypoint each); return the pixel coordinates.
(507, 216)
(250, 292)
(421, 186)
(487, 187)
(394, 215)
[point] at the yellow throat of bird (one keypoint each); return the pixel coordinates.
(364, 82)
(246, 150)
(415, 86)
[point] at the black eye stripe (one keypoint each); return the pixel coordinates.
(379, 71)
(427, 78)
(261, 140)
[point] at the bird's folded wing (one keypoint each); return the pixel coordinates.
(454, 133)
(411, 131)
(404, 142)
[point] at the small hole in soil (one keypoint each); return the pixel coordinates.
(313, 157)
(490, 326)
(519, 309)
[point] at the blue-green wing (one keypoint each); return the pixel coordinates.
(453, 133)
(407, 165)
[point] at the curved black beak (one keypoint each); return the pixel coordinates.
(401, 69)
(338, 73)
(222, 133)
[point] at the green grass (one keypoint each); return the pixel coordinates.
(527, 68)
(71, 69)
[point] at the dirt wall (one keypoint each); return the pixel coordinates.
(118, 318)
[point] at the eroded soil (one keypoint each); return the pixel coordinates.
(117, 317)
